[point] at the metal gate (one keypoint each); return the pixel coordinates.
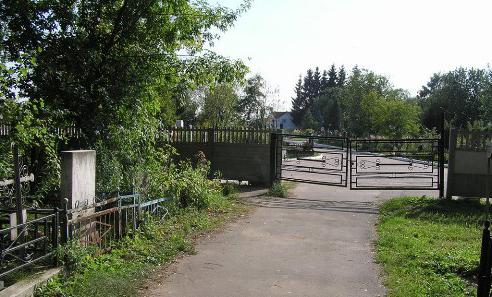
(365, 164)
(315, 159)
(402, 164)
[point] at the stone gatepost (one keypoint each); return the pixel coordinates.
(78, 189)
(78, 177)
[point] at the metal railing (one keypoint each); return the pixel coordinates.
(103, 222)
(36, 240)
(28, 243)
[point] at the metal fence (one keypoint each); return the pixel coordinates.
(109, 220)
(27, 243)
(37, 238)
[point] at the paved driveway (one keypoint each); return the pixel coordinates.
(317, 243)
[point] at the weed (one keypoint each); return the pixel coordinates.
(280, 189)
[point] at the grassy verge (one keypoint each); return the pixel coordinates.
(429, 247)
(123, 270)
(280, 189)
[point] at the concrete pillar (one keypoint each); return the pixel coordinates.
(78, 177)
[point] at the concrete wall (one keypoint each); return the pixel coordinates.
(236, 161)
(467, 171)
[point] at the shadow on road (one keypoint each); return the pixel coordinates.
(323, 205)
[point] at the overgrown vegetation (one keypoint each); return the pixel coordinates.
(123, 270)
(430, 247)
(280, 189)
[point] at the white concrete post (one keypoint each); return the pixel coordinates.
(78, 177)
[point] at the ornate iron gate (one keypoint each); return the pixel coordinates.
(365, 164)
(402, 164)
(315, 159)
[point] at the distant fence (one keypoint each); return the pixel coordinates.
(225, 135)
(36, 239)
(71, 131)
(238, 154)
(467, 167)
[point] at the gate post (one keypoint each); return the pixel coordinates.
(441, 159)
(451, 159)
(273, 157)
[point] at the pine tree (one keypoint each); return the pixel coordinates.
(298, 103)
(324, 82)
(342, 76)
(308, 89)
(316, 84)
(332, 77)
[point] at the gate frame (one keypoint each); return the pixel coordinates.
(276, 144)
(344, 172)
(439, 167)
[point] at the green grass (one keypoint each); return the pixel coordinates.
(280, 189)
(123, 270)
(430, 247)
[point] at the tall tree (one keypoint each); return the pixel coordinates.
(219, 107)
(332, 77)
(459, 94)
(324, 82)
(252, 105)
(342, 76)
(298, 103)
(116, 58)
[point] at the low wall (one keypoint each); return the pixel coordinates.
(467, 171)
(235, 161)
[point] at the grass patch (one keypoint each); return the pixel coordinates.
(280, 189)
(430, 247)
(123, 270)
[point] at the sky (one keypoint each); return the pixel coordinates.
(407, 41)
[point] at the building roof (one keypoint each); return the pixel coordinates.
(277, 114)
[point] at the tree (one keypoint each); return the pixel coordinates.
(119, 70)
(462, 95)
(341, 77)
(117, 57)
(332, 77)
(219, 107)
(298, 103)
(253, 106)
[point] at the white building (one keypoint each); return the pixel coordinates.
(282, 120)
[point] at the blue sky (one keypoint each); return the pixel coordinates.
(407, 41)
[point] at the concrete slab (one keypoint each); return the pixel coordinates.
(25, 288)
